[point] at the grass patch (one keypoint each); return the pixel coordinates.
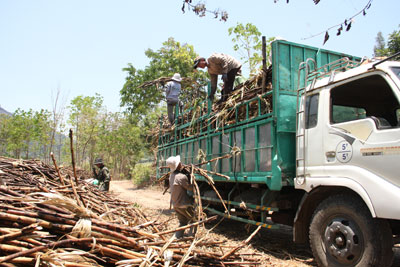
(142, 173)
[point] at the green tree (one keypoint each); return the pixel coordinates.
(392, 47)
(172, 57)
(380, 47)
(85, 115)
(247, 41)
(19, 133)
(394, 42)
(5, 121)
(41, 131)
(120, 143)
(26, 134)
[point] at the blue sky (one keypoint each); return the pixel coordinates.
(80, 47)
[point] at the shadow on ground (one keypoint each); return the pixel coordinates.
(278, 242)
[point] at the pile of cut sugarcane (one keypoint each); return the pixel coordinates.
(48, 217)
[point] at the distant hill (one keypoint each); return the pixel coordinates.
(3, 111)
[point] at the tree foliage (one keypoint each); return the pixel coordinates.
(97, 133)
(247, 41)
(26, 134)
(111, 136)
(394, 42)
(380, 47)
(200, 10)
(120, 143)
(172, 57)
(391, 47)
(84, 119)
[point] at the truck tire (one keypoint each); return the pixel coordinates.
(343, 233)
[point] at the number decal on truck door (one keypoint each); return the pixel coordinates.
(344, 152)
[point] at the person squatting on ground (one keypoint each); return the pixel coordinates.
(103, 176)
(180, 200)
(173, 89)
(220, 64)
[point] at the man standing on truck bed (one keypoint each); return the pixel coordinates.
(217, 64)
(173, 89)
(182, 203)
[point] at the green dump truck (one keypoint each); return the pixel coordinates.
(320, 151)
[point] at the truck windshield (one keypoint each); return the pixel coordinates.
(369, 96)
(396, 71)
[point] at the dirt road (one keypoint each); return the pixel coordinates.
(150, 198)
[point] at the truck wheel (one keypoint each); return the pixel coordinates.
(343, 233)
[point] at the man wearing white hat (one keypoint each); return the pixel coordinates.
(182, 203)
(173, 89)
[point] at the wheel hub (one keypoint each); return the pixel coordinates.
(342, 242)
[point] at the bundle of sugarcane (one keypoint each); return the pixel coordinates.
(48, 219)
(232, 110)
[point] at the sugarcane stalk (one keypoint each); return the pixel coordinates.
(7, 265)
(196, 193)
(26, 252)
(76, 193)
(19, 243)
(152, 225)
(188, 225)
(23, 260)
(217, 174)
(115, 235)
(71, 138)
(240, 263)
(44, 217)
(211, 183)
(23, 231)
(28, 220)
(214, 159)
(241, 245)
(11, 249)
(205, 243)
(99, 238)
(56, 167)
(264, 64)
(123, 250)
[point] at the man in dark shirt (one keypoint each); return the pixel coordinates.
(103, 176)
(220, 64)
(181, 201)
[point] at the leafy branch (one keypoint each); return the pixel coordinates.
(200, 10)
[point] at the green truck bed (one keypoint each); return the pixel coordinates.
(266, 141)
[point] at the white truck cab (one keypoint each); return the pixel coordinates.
(348, 155)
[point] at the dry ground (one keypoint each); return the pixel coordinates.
(274, 247)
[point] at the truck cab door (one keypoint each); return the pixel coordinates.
(309, 141)
(362, 136)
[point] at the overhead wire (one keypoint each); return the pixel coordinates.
(347, 22)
